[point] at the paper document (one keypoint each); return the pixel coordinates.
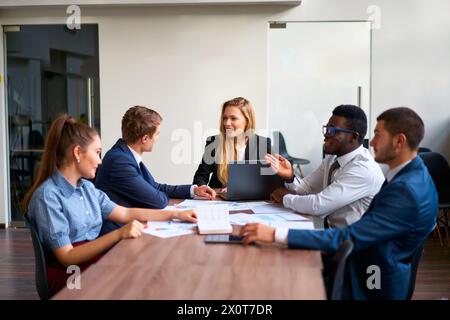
(272, 220)
(174, 208)
(167, 229)
(252, 204)
(289, 216)
(245, 205)
(244, 218)
(271, 208)
(213, 219)
(192, 203)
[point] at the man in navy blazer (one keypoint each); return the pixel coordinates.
(124, 177)
(397, 222)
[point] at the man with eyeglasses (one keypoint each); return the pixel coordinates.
(390, 235)
(341, 188)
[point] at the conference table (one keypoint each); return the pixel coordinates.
(185, 268)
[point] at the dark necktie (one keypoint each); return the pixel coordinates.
(333, 167)
(144, 172)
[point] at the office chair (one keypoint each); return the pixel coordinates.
(366, 143)
(35, 140)
(282, 150)
(338, 270)
(423, 149)
(40, 264)
(414, 266)
(439, 170)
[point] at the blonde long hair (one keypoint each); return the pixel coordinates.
(227, 147)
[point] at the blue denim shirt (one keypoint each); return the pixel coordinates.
(63, 214)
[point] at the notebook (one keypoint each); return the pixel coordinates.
(213, 219)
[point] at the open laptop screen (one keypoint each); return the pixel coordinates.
(251, 180)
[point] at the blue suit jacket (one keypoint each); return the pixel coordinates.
(397, 221)
(122, 179)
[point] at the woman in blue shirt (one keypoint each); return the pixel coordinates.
(68, 211)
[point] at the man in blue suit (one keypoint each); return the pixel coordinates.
(124, 177)
(398, 220)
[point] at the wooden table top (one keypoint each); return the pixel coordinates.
(187, 268)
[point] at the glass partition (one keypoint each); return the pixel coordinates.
(49, 70)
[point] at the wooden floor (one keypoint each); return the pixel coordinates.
(17, 268)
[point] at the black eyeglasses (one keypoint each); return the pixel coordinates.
(331, 131)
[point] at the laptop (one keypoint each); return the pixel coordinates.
(250, 180)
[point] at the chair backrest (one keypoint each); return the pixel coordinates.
(35, 140)
(280, 144)
(439, 170)
(338, 269)
(423, 149)
(414, 265)
(366, 143)
(40, 264)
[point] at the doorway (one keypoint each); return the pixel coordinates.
(49, 70)
(312, 68)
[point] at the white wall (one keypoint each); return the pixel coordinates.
(15, 3)
(185, 61)
(189, 65)
(4, 200)
(312, 66)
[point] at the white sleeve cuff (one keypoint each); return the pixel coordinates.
(288, 201)
(192, 190)
(289, 186)
(281, 235)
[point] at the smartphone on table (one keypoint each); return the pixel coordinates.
(223, 238)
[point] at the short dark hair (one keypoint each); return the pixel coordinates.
(356, 119)
(139, 121)
(404, 120)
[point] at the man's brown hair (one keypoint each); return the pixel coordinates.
(139, 121)
(404, 120)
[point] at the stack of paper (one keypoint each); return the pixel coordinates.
(213, 219)
(273, 220)
(194, 203)
(270, 208)
(168, 229)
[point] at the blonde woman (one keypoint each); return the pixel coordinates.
(237, 141)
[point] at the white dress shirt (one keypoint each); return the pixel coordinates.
(138, 159)
(136, 155)
(393, 172)
(241, 153)
(353, 186)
